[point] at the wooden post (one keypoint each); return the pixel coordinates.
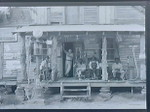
(142, 58)
(104, 60)
(1, 59)
(23, 76)
(54, 59)
(28, 55)
(36, 49)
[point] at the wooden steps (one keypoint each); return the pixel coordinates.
(75, 90)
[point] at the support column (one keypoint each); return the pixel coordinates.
(20, 93)
(38, 90)
(28, 56)
(142, 58)
(23, 76)
(1, 59)
(104, 60)
(38, 97)
(36, 52)
(54, 59)
(105, 93)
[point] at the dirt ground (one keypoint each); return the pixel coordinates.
(117, 101)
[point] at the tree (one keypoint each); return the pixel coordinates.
(4, 14)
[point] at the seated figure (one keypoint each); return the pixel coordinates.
(117, 70)
(81, 67)
(45, 69)
(94, 66)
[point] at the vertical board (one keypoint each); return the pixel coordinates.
(102, 14)
(72, 18)
(1, 59)
(106, 15)
(128, 15)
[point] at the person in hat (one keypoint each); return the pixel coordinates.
(117, 70)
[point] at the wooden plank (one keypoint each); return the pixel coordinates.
(61, 90)
(1, 59)
(74, 84)
(99, 84)
(72, 96)
(8, 82)
(89, 87)
(75, 90)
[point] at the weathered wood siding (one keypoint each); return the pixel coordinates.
(125, 50)
(39, 15)
(72, 18)
(128, 15)
(106, 14)
(18, 16)
(11, 58)
(1, 59)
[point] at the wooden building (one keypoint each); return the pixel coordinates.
(91, 30)
(116, 40)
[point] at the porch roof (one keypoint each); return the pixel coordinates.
(6, 34)
(65, 28)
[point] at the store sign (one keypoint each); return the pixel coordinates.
(6, 35)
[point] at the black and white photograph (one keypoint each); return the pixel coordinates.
(72, 57)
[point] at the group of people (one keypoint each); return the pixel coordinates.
(92, 70)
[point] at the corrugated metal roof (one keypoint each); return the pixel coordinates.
(134, 28)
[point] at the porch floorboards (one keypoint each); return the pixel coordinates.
(94, 83)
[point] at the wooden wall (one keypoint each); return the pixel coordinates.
(128, 15)
(125, 50)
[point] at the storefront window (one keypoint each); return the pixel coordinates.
(111, 49)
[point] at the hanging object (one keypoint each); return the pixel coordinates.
(37, 34)
(49, 42)
(119, 39)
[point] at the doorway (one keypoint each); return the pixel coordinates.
(67, 46)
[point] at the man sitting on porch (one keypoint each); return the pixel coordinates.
(94, 66)
(117, 70)
(45, 69)
(81, 67)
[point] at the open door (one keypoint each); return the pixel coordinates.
(67, 46)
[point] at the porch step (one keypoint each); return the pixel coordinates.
(75, 96)
(74, 90)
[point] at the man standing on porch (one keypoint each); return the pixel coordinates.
(68, 62)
